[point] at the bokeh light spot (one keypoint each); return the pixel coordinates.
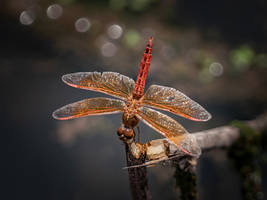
(108, 49)
(242, 58)
(82, 25)
(139, 5)
(115, 31)
(27, 17)
(54, 11)
(216, 69)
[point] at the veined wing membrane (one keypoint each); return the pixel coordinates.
(172, 100)
(170, 129)
(92, 106)
(111, 83)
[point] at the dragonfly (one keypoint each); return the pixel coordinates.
(133, 103)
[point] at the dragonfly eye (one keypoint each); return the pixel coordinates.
(125, 132)
(120, 131)
(128, 133)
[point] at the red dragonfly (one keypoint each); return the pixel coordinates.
(134, 103)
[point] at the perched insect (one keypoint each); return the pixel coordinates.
(134, 103)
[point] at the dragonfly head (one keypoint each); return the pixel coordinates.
(125, 133)
(129, 119)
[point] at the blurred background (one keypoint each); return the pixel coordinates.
(213, 51)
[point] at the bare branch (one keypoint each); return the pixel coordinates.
(260, 123)
(217, 137)
(224, 136)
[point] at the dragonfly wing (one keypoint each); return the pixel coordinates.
(92, 106)
(111, 83)
(170, 129)
(174, 101)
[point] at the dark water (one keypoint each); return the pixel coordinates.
(83, 158)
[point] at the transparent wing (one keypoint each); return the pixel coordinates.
(169, 128)
(92, 106)
(172, 100)
(111, 83)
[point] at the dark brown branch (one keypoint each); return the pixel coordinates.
(137, 176)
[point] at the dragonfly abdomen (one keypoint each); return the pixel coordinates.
(143, 71)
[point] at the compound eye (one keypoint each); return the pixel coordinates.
(128, 133)
(120, 131)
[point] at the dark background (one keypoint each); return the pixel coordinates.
(83, 158)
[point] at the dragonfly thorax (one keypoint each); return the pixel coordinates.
(131, 107)
(129, 118)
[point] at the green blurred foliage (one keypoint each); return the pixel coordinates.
(205, 76)
(247, 153)
(241, 58)
(186, 181)
(249, 143)
(244, 57)
(131, 38)
(118, 4)
(139, 5)
(204, 61)
(65, 2)
(261, 60)
(132, 5)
